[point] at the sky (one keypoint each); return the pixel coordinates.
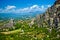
(24, 6)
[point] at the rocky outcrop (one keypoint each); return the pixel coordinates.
(52, 16)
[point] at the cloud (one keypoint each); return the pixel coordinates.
(10, 7)
(49, 5)
(34, 8)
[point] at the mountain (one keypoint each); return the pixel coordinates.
(51, 17)
(7, 16)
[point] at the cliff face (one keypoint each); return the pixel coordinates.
(52, 16)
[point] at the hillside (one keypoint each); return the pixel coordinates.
(51, 17)
(45, 26)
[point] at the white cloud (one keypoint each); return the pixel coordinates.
(42, 6)
(10, 7)
(49, 5)
(34, 8)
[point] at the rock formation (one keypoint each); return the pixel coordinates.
(52, 16)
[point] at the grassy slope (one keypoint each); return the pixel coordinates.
(11, 32)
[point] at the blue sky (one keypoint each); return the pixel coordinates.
(20, 6)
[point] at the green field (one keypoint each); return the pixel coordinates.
(23, 31)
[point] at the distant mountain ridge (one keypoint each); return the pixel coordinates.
(6, 16)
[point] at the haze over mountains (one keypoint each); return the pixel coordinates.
(8, 12)
(22, 9)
